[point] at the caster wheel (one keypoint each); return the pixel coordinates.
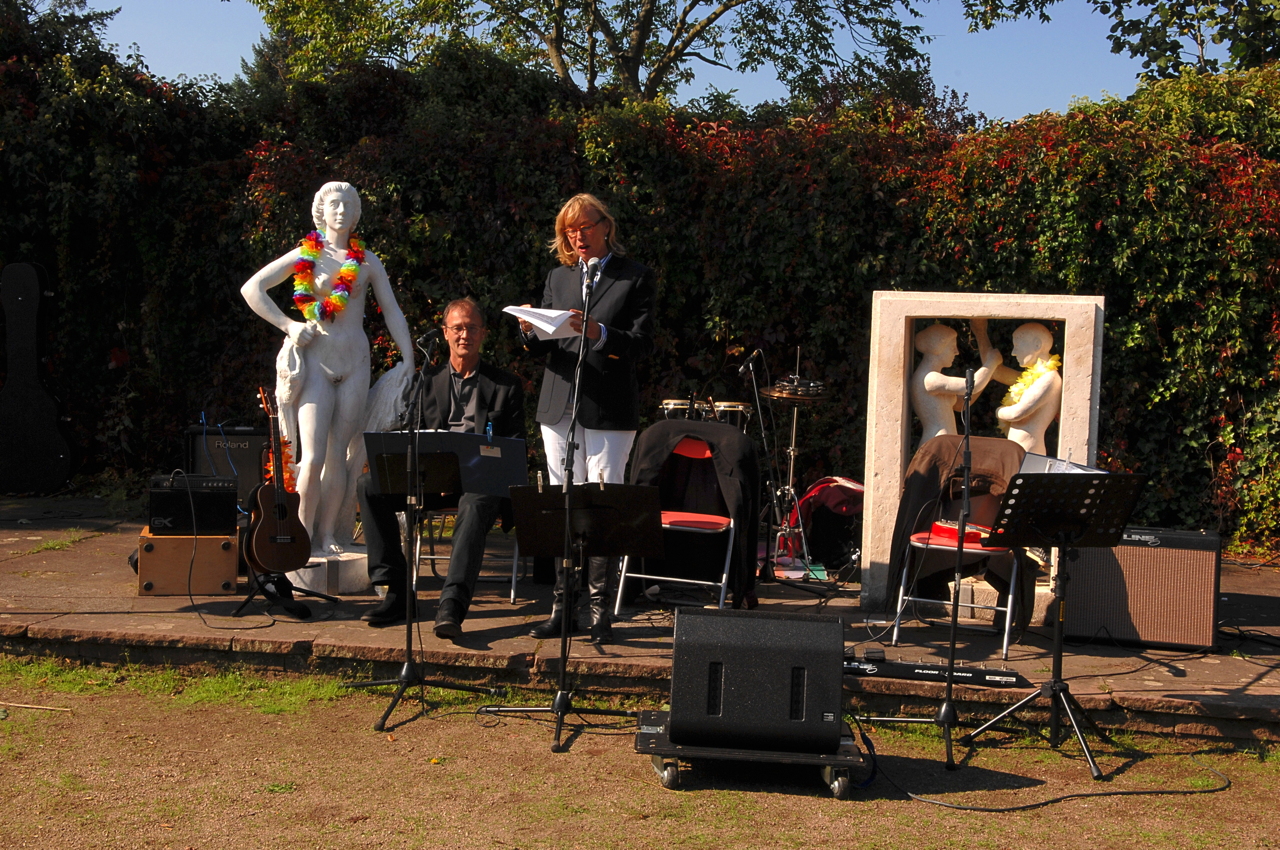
(840, 787)
(670, 776)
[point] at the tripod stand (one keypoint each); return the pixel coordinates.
(1064, 511)
(441, 475)
(600, 519)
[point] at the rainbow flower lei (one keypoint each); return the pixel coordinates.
(1029, 376)
(304, 278)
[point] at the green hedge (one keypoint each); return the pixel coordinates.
(151, 202)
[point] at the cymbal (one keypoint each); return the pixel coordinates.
(785, 391)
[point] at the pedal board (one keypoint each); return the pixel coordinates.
(927, 672)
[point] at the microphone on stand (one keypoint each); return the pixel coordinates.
(593, 273)
(746, 364)
(434, 333)
(968, 385)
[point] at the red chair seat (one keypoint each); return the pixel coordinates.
(701, 522)
(929, 540)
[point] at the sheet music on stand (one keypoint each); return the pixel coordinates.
(1043, 463)
(449, 461)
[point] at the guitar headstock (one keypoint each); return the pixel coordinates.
(268, 402)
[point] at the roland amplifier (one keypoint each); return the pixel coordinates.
(192, 504)
(235, 452)
(1158, 587)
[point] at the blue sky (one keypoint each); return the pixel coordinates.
(1014, 70)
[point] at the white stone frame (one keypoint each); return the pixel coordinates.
(893, 315)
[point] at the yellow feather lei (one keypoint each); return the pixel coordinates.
(1029, 376)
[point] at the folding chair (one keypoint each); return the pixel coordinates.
(697, 451)
(932, 492)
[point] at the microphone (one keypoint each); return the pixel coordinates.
(968, 383)
(746, 364)
(434, 333)
(593, 273)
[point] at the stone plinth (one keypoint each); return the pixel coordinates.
(335, 575)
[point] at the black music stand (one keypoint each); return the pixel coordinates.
(1062, 511)
(606, 520)
(419, 473)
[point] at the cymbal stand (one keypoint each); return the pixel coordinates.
(791, 502)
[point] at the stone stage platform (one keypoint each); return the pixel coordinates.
(80, 601)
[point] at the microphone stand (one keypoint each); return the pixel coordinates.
(775, 510)
(562, 703)
(947, 717)
(410, 676)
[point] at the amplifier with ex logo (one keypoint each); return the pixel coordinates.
(192, 505)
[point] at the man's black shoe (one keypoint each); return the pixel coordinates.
(449, 620)
(388, 612)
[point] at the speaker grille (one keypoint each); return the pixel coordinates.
(715, 688)
(797, 693)
(1159, 587)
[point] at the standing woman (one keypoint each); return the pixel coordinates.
(323, 367)
(619, 333)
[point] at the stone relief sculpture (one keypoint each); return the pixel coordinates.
(323, 367)
(936, 397)
(1034, 398)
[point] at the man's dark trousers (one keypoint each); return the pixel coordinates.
(387, 565)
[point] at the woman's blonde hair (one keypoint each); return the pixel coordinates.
(572, 208)
(334, 188)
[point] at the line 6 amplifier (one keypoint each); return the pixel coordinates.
(1158, 587)
(192, 504)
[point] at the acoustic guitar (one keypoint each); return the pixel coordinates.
(277, 541)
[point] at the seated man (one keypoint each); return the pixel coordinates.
(462, 394)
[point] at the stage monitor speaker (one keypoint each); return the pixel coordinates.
(751, 680)
(192, 504)
(236, 452)
(1158, 587)
(164, 563)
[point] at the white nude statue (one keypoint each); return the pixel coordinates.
(323, 368)
(936, 397)
(1035, 395)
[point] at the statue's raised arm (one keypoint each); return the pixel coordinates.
(935, 397)
(323, 368)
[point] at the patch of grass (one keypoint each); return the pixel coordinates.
(71, 782)
(280, 788)
(74, 536)
(279, 696)
(274, 695)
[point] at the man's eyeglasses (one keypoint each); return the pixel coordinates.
(459, 330)
(583, 230)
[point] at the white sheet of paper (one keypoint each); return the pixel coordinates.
(547, 324)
